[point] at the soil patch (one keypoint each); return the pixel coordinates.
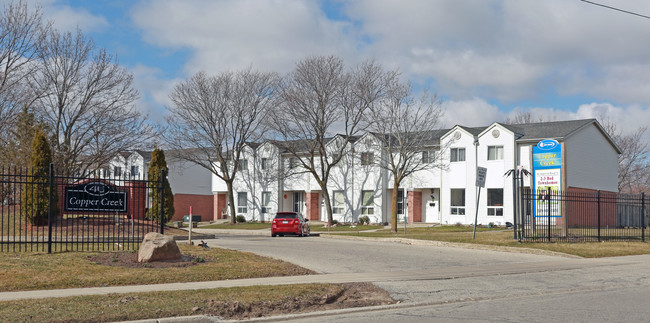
(130, 260)
(338, 296)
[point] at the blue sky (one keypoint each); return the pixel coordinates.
(560, 59)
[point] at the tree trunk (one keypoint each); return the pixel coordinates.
(231, 202)
(328, 207)
(393, 211)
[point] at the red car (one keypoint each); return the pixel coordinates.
(289, 223)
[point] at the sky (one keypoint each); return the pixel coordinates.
(485, 59)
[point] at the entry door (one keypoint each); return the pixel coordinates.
(298, 202)
(433, 207)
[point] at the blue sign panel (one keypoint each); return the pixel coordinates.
(547, 154)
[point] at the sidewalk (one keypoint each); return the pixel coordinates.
(438, 274)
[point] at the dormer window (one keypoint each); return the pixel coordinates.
(367, 158)
(495, 153)
(457, 154)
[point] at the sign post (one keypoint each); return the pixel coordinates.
(481, 172)
(189, 239)
(547, 174)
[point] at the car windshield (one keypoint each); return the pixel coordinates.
(286, 216)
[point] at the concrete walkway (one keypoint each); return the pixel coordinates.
(447, 273)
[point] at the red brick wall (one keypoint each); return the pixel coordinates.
(219, 205)
(585, 213)
(313, 206)
(415, 206)
(202, 205)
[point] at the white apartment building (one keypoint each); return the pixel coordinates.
(191, 184)
(358, 186)
(272, 180)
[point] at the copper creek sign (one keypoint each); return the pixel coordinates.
(95, 196)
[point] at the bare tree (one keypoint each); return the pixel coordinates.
(319, 100)
(407, 132)
(523, 117)
(214, 117)
(633, 163)
(87, 101)
(21, 31)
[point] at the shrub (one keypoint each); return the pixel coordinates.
(240, 219)
(157, 164)
(335, 222)
(35, 200)
(364, 220)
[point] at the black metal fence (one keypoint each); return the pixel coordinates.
(582, 215)
(43, 211)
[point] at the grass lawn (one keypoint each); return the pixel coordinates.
(239, 226)
(227, 303)
(501, 237)
(34, 271)
(343, 228)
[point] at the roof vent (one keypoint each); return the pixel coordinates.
(457, 135)
(496, 133)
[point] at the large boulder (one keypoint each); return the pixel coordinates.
(158, 247)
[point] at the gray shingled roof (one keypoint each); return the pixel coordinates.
(544, 130)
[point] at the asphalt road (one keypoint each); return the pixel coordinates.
(453, 284)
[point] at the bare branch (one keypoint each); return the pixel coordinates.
(214, 117)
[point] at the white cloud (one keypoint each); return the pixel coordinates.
(226, 35)
(471, 113)
(68, 18)
(154, 91)
(513, 49)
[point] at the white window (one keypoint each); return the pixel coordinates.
(336, 156)
(338, 202)
(242, 164)
(428, 157)
(117, 171)
(266, 201)
(457, 154)
(242, 201)
(367, 202)
(106, 172)
(400, 202)
(367, 158)
(265, 164)
(293, 162)
(458, 201)
(135, 171)
(495, 152)
(495, 201)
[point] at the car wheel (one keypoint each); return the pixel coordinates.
(282, 235)
(273, 235)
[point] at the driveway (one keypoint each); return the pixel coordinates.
(332, 255)
(452, 284)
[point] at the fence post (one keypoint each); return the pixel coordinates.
(514, 202)
(548, 197)
(643, 216)
(522, 210)
(598, 215)
(162, 201)
(50, 216)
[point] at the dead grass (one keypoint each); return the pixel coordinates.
(506, 238)
(239, 226)
(226, 303)
(34, 271)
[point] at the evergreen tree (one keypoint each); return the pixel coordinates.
(158, 163)
(35, 198)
